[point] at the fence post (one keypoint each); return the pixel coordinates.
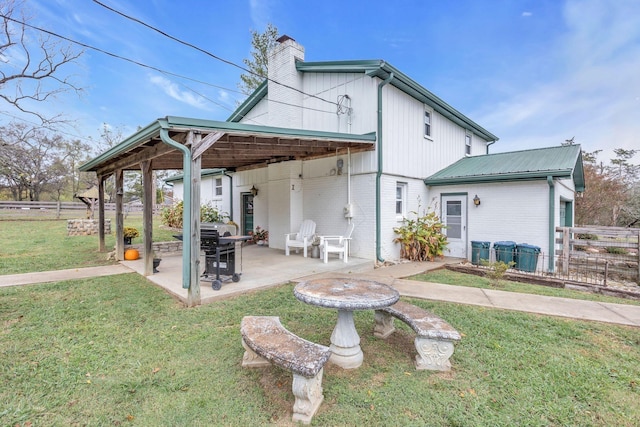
(58, 209)
(638, 252)
(566, 247)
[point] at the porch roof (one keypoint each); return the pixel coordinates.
(237, 146)
(557, 162)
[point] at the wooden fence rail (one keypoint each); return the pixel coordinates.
(617, 249)
(57, 208)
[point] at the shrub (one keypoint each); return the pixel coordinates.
(172, 216)
(421, 239)
(496, 270)
(616, 251)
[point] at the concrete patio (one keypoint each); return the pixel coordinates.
(261, 268)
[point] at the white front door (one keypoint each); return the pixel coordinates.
(454, 217)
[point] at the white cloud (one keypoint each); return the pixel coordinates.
(174, 92)
(526, 14)
(593, 94)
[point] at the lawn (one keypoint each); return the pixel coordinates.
(449, 277)
(42, 245)
(119, 351)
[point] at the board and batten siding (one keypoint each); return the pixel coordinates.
(406, 151)
(323, 116)
(258, 115)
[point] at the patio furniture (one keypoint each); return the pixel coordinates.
(346, 295)
(435, 339)
(266, 341)
(301, 239)
(336, 245)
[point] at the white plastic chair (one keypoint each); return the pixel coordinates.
(301, 239)
(336, 245)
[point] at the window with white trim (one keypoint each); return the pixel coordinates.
(428, 123)
(218, 186)
(401, 200)
(467, 143)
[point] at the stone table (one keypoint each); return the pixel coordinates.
(346, 295)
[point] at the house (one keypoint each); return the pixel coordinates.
(352, 142)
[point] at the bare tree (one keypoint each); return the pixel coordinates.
(31, 64)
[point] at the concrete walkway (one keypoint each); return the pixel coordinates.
(620, 314)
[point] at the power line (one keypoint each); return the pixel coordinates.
(206, 52)
(140, 64)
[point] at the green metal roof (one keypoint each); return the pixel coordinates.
(203, 173)
(381, 69)
(557, 162)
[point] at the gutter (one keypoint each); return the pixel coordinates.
(186, 212)
(552, 212)
(379, 173)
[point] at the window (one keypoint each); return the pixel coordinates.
(467, 142)
(401, 197)
(218, 186)
(427, 123)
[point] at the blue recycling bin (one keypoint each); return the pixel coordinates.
(479, 251)
(505, 251)
(527, 257)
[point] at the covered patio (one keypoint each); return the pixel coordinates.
(177, 143)
(261, 268)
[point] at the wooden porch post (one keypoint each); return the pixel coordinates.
(119, 215)
(147, 215)
(101, 213)
(193, 296)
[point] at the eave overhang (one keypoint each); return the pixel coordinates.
(238, 146)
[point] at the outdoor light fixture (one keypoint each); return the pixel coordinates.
(476, 200)
(254, 190)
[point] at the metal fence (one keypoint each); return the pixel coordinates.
(591, 255)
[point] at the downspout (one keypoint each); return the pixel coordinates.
(379, 173)
(186, 211)
(552, 213)
(230, 194)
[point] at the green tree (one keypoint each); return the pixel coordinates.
(257, 65)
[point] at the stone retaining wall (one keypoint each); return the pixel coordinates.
(86, 227)
(161, 249)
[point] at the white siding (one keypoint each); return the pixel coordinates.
(258, 115)
(512, 211)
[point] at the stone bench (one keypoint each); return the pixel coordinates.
(435, 339)
(266, 341)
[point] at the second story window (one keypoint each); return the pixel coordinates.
(467, 144)
(218, 186)
(428, 116)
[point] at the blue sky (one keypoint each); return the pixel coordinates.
(533, 72)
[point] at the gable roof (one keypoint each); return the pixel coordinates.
(558, 162)
(373, 68)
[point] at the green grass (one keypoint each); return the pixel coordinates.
(449, 277)
(43, 245)
(119, 351)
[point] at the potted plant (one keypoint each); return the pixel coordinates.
(130, 233)
(260, 236)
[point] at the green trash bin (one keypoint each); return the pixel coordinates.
(527, 257)
(505, 251)
(479, 251)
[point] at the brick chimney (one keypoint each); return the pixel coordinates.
(284, 100)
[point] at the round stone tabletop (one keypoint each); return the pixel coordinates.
(346, 293)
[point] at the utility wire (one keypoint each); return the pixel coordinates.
(206, 52)
(114, 55)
